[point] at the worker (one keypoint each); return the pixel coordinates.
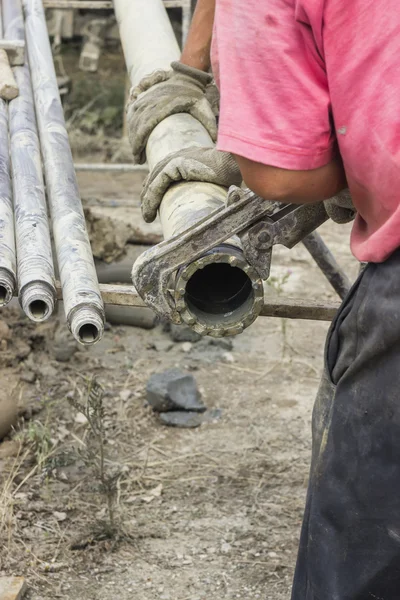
(310, 105)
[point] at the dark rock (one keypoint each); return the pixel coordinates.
(224, 343)
(190, 419)
(174, 390)
(182, 418)
(182, 333)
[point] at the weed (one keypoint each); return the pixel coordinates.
(93, 453)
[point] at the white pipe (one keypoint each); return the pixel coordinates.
(8, 277)
(36, 281)
(149, 44)
(81, 294)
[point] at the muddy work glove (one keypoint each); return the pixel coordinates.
(193, 164)
(340, 208)
(181, 90)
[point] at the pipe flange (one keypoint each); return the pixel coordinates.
(230, 322)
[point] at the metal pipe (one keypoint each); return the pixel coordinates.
(283, 308)
(36, 281)
(83, 304)
(327, 263)
(8, 275)
(149, 44)
(110, 167)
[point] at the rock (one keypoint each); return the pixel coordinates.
(186, 347)
(12, 588)
(189, 419)
(9, 395)
(5, 332)
(63, 346)
(111, 228)
(174, 390)
(28, 377)
(224, 343)
(60, 516)
(228, 357)
(182, 333)
(182, 418)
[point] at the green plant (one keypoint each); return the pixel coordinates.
(93, 453)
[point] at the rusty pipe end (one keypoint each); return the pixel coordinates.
(219, 294)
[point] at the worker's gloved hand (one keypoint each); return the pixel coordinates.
(192, 164)
(181, 90)
(340, 208)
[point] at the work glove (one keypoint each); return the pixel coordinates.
(340, 208)
(193, 164)
(180, 90)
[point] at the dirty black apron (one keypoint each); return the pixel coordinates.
(350, 540)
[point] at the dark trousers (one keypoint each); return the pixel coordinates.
(350, 540)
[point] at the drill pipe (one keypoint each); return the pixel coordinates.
(36, 281)
(83, 304)
(222, 294)
(8, 277)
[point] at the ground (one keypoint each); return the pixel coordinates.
(213, 512)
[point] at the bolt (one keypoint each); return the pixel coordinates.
(263, 237)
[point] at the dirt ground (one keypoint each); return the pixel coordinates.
(212, 512)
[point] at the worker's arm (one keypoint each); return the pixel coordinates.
(299, 187)
(180, 90)
(196, 52)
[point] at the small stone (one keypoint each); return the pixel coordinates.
(224, 343)
(182, 333)
(161, 345)
(212, 415)
(174, 390)
(186, 347)
(183, 419)
(12, 588)
(5, 332)
(28, 377)
(80, 419)
(60, 516)
(125, 395)
(228, 357)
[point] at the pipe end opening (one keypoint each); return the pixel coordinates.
(219, 294)
(4, 295)
(38, 310)
(88, 333)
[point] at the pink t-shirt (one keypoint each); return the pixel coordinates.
(298, 76)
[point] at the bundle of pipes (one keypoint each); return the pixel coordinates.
(34, 123)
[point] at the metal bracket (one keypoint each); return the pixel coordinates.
(15, 50)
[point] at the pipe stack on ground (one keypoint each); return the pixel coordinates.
(83, 304)
(223, 294)
(36, 281)
(8, 266)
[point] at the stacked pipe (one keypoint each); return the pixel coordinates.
(222, 294)
(34, 123)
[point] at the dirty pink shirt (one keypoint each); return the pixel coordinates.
(298, 77)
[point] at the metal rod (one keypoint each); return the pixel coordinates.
(283, 308)
(327, 263)
(149, 44)
(36, 280)
(8, 275)
(110, 167)
(81, 294)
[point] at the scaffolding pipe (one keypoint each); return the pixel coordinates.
(223, 294)
(8, 275)
(83, 304)
(36, 281)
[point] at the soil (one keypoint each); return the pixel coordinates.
(212, 512)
